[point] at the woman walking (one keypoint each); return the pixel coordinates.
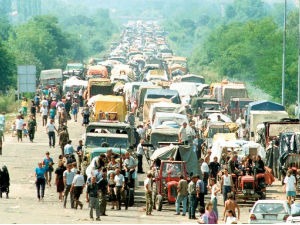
(40, 181)
(75, 108)
(290, 186)
(24, 105)
(59, 180)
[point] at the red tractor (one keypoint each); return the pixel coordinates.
(166, 181)
(252, 188)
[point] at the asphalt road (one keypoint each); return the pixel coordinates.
(23, 206)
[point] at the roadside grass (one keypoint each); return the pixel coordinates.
(10, 107)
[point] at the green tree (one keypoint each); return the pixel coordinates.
(7, 67)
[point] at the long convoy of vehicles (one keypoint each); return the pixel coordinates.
(141, 78)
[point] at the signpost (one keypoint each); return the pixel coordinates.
(26, 79)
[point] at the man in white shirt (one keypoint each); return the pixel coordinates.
(129, 166)
(120, 184)
(182, 134)
(44, 112)
(140, 153)
(50, 128)
(19, 127)
(77, 187)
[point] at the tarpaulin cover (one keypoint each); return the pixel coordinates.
(163, 93)
(147, 105)
(265, 106)
(180, 153)
(165, 107)
(110, 103)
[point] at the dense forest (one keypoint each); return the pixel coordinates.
(240, 40)
(52, 38)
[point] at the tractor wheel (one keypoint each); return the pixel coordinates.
(159, 201)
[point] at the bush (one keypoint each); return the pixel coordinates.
(8, 103)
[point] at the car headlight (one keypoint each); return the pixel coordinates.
(252, 192)
(244, 191)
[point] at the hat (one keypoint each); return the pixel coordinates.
(195, 176)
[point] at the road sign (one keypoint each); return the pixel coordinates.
(27, 78)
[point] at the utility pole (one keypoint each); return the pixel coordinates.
(283, 55)
(298, 99)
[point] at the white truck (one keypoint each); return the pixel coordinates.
(256, 118)
(51, 77)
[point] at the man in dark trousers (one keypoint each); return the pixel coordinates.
(92, 198)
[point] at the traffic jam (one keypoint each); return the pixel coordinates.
(179, 137)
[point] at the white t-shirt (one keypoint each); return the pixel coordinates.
(290, 183)
(140, 149)
(227, 180)
(44, 111)
(19, 124)
(130, 162)
(147, 181)
(204, 168)
(119, 180)
(78, 180)
(50, 127)
(44, 102)
(183, 133)
(230, 219)
(213, 190)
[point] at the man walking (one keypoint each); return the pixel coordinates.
(182, 134)
(120, 184)
(182, 194)
(200, 193)
(31, 127)
(192, 197)
(148, 194)
(63, 139)
(102, 186)
(92, 198)
(68, 176)
(140, 153)
(50, 128)
(77, 188)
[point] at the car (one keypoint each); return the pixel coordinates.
(295, 213)
(269, 211)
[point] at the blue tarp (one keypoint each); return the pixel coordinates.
(265, 106)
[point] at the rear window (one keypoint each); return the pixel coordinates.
(274, 208)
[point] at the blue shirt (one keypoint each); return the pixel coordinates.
(68, 150)
(69, 177)
(47, 162)
(200, 184)
(40, 172)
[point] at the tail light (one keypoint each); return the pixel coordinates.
(252, 217)
(285, 217)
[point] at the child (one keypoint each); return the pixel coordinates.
(25, 131)
(230, 219)
(111, 190)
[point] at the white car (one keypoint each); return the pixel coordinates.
(295, 214)
(269, 211)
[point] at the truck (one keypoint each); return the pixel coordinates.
(259, 112)
(99, 86)
(49, 78)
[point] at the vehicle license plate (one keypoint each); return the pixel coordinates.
(270, 217)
